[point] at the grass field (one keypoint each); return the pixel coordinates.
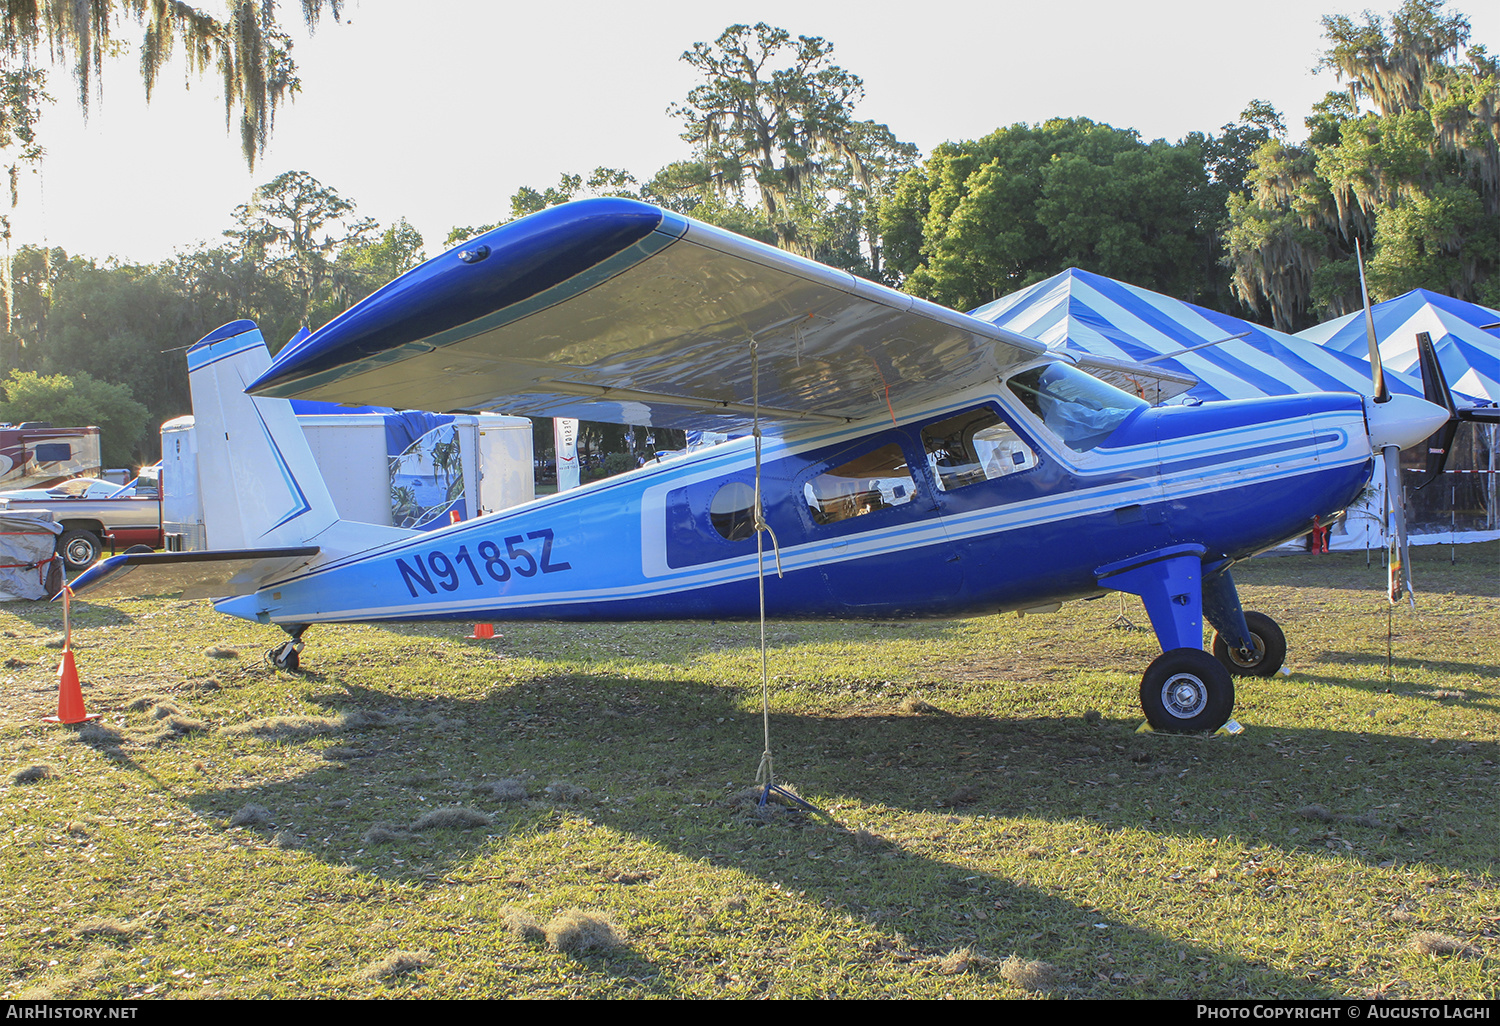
(560, 811)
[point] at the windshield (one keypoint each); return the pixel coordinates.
(1077, 407)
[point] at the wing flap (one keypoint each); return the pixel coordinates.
(664, 321)
(206, 574)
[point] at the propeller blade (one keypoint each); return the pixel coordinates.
(1434, 382)
(1435, 389)
(1377, 370)
(1399, 578)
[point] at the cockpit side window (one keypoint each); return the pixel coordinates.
(1076, 407)
(972, 447)
(875, 481)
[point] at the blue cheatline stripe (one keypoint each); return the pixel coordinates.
(202, 356)
(301, 505)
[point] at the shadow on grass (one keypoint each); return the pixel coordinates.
(653, 757)
(48, 615)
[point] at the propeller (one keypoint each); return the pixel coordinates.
(1391, 424)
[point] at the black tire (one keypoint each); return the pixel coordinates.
(285, 657)
(1185, 691)
(1269, 649)
(79, 548)
(137, 549)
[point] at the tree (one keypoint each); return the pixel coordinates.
(774, 116)
(1405, 160)
(294, 227)
(77, 400)
(362, 267)
(244, 43)
(980, 219)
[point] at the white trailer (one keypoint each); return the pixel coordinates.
(368, 482)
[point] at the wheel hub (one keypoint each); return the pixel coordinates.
(1184, 695)
(1249, 657)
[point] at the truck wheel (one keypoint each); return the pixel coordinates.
(79, 548)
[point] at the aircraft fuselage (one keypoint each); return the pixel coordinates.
(904, 519)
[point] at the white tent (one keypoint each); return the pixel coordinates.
(1109, 318)
(1468, 351)
(1087, 311)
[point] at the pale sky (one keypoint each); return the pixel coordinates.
(441, 115)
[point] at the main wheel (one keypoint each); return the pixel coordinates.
(80, 548)
(1268, 649)
(1186, 690)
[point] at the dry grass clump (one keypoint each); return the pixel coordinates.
(251, 814)
(1092, 716)
(164, 709)
(140, 703)
(1427, 943)
(31, 774)
(56, 641)
(562, 791)
(960, 961)
(397, 963)
(916, 706)
(963, 795)
(511, 789)
(113, 929)
(95, 732)
(452, 817)
(1316, 813)
(1028, 973)
(574, 932)
(382, 833)
(221, 652)
(523, 925)
(309, 726)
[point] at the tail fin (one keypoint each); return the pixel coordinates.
(260, 485)
(256, 473)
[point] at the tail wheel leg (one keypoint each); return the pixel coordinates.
(1265, 654)
(288, 655)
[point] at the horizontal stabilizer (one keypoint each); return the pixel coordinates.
(207, 574)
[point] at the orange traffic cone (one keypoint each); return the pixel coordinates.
(69, 695)
(483, 632)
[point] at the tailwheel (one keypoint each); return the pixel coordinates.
(286, 656)
(1186, 690)
(1265, 655)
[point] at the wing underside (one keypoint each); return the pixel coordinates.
(613, 310)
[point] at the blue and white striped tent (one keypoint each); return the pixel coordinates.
(1470, 355)
(1109, 318)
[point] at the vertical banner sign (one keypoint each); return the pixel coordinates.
(565, 444)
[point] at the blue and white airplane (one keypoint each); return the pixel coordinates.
(910, 461)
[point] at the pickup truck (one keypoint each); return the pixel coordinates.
(132, 516)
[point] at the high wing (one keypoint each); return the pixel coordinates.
(613, 310)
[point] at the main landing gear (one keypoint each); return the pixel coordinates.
(1186, 690)
(288, 655)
